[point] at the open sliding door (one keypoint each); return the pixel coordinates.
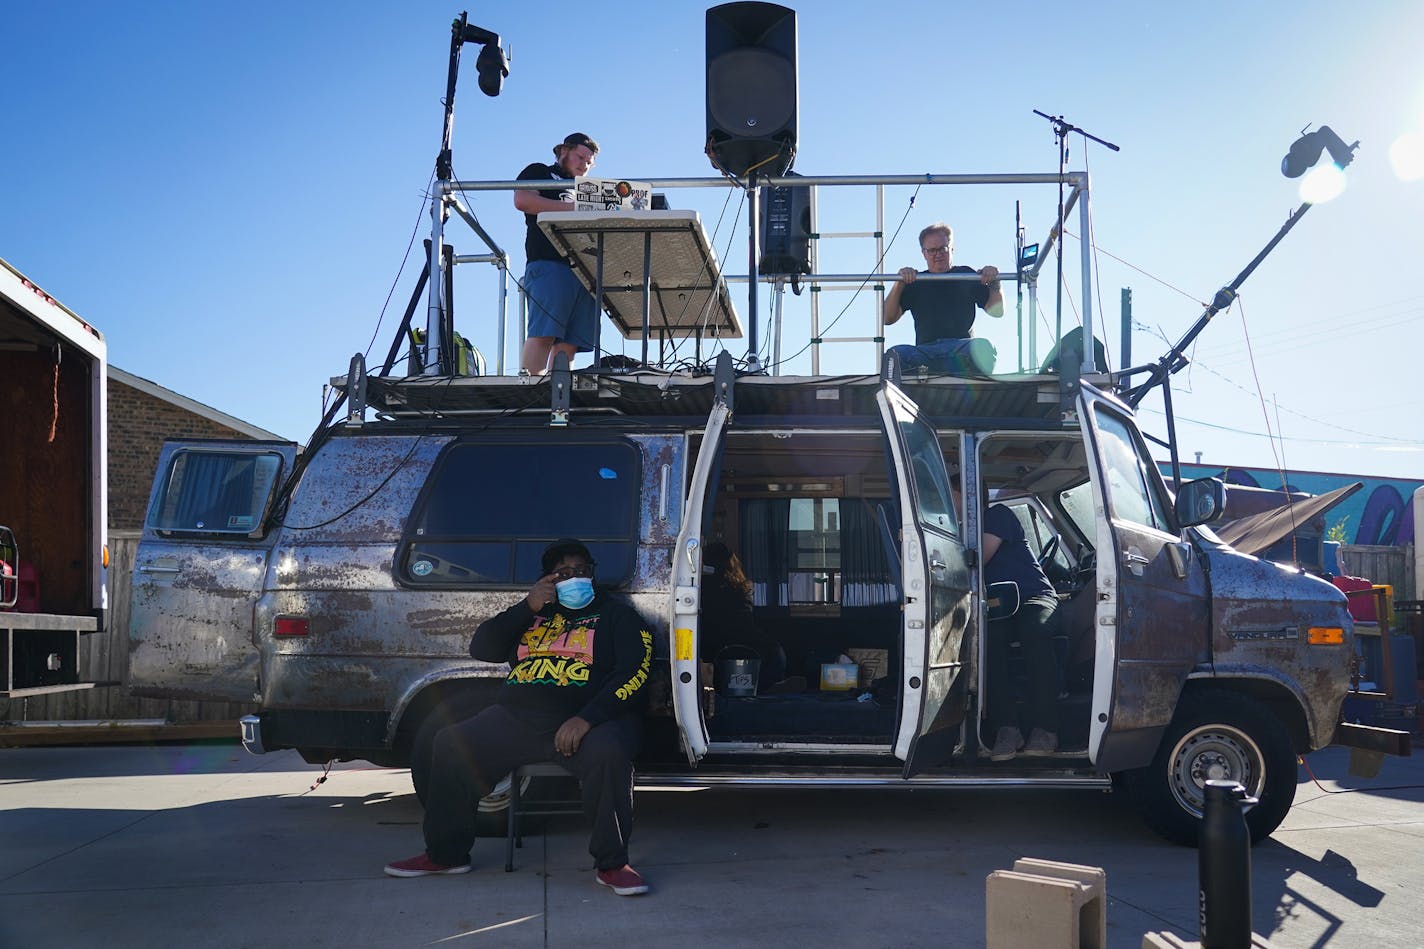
(686, 587)
(935, 588)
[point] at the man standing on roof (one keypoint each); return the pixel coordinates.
(944, 310)
(574, 695)
(563, 317)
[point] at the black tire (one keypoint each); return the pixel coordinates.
(1216, 734)
(493, 817)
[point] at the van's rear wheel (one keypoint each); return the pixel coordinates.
(492, 818)
(1216, 735)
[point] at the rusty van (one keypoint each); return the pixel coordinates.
(337, 588)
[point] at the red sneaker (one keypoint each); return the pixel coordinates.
(422, 866)
(625, 881)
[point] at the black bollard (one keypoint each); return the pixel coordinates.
(1224, 855)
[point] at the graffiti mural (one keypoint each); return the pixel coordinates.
(1382, 513)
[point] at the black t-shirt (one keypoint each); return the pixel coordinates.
(1013, 560)
(943, 309)
(536, 245)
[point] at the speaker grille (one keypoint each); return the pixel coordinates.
(751, 92)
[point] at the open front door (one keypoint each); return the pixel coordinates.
(686, 589)
(1152, 624)
(200, 567)
(935, 588)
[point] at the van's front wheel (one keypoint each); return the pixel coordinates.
(1216, 735)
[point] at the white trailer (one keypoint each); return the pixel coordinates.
(53, 488)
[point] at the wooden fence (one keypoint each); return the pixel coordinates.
(104, 657)
(1392, 565)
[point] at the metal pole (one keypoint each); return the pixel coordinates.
(647, 287)
(434, 344)
(780, 291)
(814, 290)
(1126, 328)
(753, 246)
(503, 313)
(1086, 254)
(598, 305)
(880, 257)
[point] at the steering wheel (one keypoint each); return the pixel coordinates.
(1049, 549)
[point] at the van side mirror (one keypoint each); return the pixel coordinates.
(1201, 502)
(1002, 599)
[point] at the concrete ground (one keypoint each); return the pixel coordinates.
(206, 845)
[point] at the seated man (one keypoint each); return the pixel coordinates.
(574, 695)
(1006, 556)
(944, 310)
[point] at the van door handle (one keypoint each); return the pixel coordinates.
(1134, 561)
(938, 566)
(147, 568)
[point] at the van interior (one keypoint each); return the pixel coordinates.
(812, 521)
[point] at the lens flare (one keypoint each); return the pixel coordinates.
(1325, 182)
(1406, 156)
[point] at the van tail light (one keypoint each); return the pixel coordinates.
(1325, 635)
(291, 626)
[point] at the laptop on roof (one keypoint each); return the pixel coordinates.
(611, 194)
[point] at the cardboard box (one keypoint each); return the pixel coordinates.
(874, 664)
(839, 676)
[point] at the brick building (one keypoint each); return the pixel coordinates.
(141, 415)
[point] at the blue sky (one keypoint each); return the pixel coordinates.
(228, 191)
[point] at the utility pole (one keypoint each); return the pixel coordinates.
(1126, 328)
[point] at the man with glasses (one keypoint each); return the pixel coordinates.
(563, 317)
(574, 695)
(944, 310)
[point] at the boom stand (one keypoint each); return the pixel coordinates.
(1060, 134)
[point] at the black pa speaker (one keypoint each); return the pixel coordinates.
(785, 230)
(751, 88)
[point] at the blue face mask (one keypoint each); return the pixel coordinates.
(575, 592)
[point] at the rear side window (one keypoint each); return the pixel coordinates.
(490, 509)
(215, 492)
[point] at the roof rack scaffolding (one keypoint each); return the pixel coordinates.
(666, 321)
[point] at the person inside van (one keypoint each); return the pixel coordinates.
(726, 619)
(944, 309)
(563, 317)
(574, 695)
(1006, 555)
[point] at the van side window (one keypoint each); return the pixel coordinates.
(1131, 487)
(214, 492)
(490, 508)
(932, 498)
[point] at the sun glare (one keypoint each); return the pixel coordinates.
(1325, 182)
(1406, 156)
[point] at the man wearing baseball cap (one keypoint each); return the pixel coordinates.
(574, 695)
(563, 317)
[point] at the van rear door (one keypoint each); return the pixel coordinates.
(1152, 623)
(934, 587)
(200, 567)
(686, 586)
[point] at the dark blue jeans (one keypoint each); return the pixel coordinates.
(960, 357)
(1033, 627)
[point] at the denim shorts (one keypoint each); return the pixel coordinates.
(559, 306)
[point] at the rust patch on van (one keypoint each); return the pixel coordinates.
(441, 622)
